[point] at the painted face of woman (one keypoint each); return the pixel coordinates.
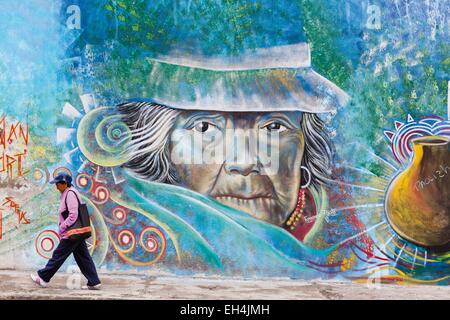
(246, 160)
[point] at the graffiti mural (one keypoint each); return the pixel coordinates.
(302, 139)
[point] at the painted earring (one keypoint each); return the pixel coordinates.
(309, 177)
(301, 201)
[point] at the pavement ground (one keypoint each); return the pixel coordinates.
(18, 285)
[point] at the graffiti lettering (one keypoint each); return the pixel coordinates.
(10, 162)
(13, 136)
(9, 133)
(9, 202)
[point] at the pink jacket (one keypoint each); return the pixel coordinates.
(72, 206)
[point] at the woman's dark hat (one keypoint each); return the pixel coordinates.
(62, 177)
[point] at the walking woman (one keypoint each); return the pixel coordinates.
(70, 199)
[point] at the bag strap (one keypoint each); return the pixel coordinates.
(65, 200)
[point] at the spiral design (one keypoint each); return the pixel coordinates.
(46, 242)
(39, 176)
(101, 194)
(85, 182)
(112, 135)
(120, 215)
(126, 240)
(152, 246)
(103, 137)
(152, 240)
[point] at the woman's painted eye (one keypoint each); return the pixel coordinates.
(275, 126)
(202, 126)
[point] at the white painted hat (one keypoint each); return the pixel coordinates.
(278, 78)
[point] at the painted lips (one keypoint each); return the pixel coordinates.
(258, 206)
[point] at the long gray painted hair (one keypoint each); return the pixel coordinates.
(151, 125)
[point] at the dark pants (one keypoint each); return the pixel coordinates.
(82, 257)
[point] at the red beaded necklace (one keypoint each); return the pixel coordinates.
(298, 212)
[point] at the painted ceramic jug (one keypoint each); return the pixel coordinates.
(418, 199)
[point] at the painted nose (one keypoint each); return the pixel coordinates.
(242, 157)
(242, 169)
